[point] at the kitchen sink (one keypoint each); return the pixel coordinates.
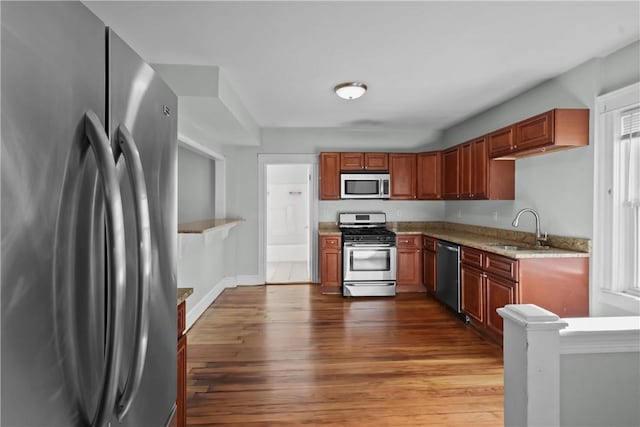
(504, 247)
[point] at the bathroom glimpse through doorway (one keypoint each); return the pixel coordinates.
(287, 223)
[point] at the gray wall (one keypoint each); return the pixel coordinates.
(196, 189)
(600, 390)
(559, 185)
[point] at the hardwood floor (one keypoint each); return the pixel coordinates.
(288, 355)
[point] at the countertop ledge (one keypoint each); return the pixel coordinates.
(183, 294)
(479, 237)
(203, 226)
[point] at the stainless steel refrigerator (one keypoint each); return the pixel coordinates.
(88, 223)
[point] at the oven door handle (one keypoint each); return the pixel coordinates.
(368, 246)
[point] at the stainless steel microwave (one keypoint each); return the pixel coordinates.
(364, 185)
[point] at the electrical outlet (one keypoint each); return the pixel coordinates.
(459, 213)
(398, 213)
(495, 216)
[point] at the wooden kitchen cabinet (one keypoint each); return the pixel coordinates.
(490, 281)
(499, 292)
(429, 174)
(482, 178)
(402, 170)
(472, 291)
(181, 398)
(429, 264)
(330, 264)
(364, 161)
(557, 129)
(329, 176)
(501, 141)
(409, 263)
(451, 173)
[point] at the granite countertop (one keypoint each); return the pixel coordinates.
(480, 237)
(328, 229)
(183, 294)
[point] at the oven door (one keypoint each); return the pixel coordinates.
(369, 262)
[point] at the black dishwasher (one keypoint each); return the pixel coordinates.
(448, 268)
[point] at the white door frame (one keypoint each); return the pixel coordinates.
(284, 159)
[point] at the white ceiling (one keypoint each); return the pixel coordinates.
(428, 65)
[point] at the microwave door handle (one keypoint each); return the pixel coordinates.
(381, 192)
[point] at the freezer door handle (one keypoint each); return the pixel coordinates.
(126, 147)
(106, 165)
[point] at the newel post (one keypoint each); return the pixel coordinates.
(531, 366)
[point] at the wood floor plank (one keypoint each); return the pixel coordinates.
(288, 355)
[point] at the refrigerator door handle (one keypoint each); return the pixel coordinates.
(117, 265)
(127, 147)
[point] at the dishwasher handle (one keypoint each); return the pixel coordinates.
(449, 248)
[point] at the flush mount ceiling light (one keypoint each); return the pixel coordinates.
(350, 90)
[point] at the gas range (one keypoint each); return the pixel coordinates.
(369, 255)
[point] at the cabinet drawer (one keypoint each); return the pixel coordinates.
(501, 266)
(472, 256)
(411, 241)
(429, 243)
(182, 318)
(327, 242)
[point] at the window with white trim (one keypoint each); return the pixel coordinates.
(617, 195)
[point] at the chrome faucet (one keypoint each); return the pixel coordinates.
(540, 239)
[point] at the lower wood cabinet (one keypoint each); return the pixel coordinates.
(409, 263)
(472, 290)
(181, 398)
(490, 281)
(429, 264)
(330, 264)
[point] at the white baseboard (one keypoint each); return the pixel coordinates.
(196, 311)
(248, 280)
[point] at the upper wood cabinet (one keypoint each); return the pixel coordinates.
(478, 177)
(402, 170)
(429, 175)
(364, 161)
(451, 173)
(501, 141)
(557, 129)
(329, 176)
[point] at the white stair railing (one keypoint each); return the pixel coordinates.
(570, 372)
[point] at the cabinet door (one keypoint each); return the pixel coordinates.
(500, 292)
(331, 267)
(466, 171)
(351, 161)
(376, 161)
(472, 290)
(330, 261)
(450, 174)
(534, 132)
(409, 267)
(429, 269)
(430, 176)
(402, 168)
(329, 176)
(501, 141)
(479, 183)
(181, 399)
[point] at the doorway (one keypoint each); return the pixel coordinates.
(287, 227)
(287, 219)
